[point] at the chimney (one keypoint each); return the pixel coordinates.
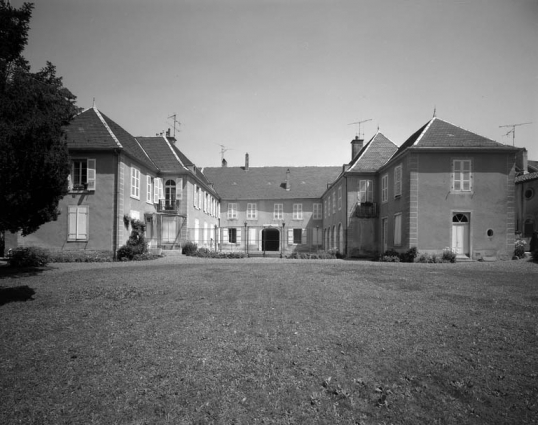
(168, 133)
(246, 162)
(522, 164)
(288, 184)
(356, 146)
(224, 162)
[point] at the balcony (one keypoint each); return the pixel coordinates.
(366, 210)
(168, 206)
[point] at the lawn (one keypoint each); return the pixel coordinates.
(194, 341)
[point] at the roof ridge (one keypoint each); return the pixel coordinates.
(424, 131)
(145, 153)
(173, 151)
(107, 126)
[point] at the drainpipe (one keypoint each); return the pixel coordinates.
(117, 213)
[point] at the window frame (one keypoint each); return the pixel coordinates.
(317, 211)
(397, 237)
(278, 212)
(149, 190)
(135, 182)
(385, 188)
(74, 212)
(339, 198)
(78, 185)
(232, 211)
(366, 191)
(252, 211)
(461, 180)
(297, 212)
(398, 181)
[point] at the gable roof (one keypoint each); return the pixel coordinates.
(437, 133)
(93, 130)
(163, 153)
(236, 183)
(373, 155)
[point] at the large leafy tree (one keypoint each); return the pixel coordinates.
(34, 107)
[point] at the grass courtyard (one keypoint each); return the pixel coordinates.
(196, 341)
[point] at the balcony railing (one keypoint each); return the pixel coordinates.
(366, 210)
(165, 205)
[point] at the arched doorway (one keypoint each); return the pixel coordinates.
(270, 239)
(170, 194)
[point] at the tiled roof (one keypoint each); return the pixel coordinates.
(270, 182)
(532, 165)
(162, 153)
(441, 134)
(527, 177)
(373, 155)
(91, 129)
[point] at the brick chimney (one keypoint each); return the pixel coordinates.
(288, 184)
(356, 146)
(522, 163)
(246, 162)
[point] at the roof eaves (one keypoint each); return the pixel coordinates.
(107, 127)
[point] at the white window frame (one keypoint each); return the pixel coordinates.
(339, 198)
(232, 211)
(365, 191)
(334, 202)
(385, 188)
(90, 165)
(278, 212)
(297, 212)
(460, 182)
(252, 211)
(78, 223)
(135, 182)
(149, 190)
(317, 212)
(398, 181)
(398, 229)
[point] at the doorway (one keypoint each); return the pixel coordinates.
(460, 234)
(169, 229)
(270, 240)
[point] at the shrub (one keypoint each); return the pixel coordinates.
(390, 258)
(136, 245)
(410, 255)
(80, 256)
(189, 248)
(519, 249)
(28, 257)
(424, 258)
(449, 256)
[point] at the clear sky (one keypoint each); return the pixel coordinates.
(283, 79)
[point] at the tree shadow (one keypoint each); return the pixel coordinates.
(7, 272)
(16, 293)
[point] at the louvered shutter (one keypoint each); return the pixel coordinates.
(72, 223)
(91, 176)
(156, 190)
(161, 189)
(224, 235)
(290, 236)
(303, 237)
(466, 175)
(82, 223)
(238, 235)
(179, 189)
(69, 183)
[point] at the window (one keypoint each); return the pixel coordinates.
(232, 235)
(232, 211)
(385, 188)
(325, 208)
(366, 192)
(297, 236)
(82, 174)
(462, 175)
(77, 222)
(179, 189)
(195, 190)
(398, 181)
(278, 212)
(334, 202)
(135, 183)
(252, 211)
(529, 193)
(170, 193)
(297, 211)
(340, 198)
(316, 215)
(398, 229)
(149, 192)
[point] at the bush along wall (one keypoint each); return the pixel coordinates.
(136, 247)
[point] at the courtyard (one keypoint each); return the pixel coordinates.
(187, 340)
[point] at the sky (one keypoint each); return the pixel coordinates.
(283, 80)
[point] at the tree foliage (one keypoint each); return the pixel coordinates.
(34, 162)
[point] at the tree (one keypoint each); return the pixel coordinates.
(34, 107)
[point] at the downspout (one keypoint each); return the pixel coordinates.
(347, 219)
(117, 212)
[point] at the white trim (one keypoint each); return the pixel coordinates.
(424, 131)
(107, 127)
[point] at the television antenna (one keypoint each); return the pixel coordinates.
(175, 122)
(222, 150)
(513, 131)
(359, 124)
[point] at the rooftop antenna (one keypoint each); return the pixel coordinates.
(222, 150)
(359, 123)
(175, 122)
(513, 131)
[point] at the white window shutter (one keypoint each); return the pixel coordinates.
(161, 189)
(303, 237)
(156, 190)
(82, 222)
(238, 233)
(91, 179)
(179, 189)
(290, 236)
(224, 235)
(72, 223)
(69, 182)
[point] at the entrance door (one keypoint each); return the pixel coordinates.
(460, 234)
(270, 240)
(169, 229)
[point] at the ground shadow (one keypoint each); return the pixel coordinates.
(16, 293)
(7, 272)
